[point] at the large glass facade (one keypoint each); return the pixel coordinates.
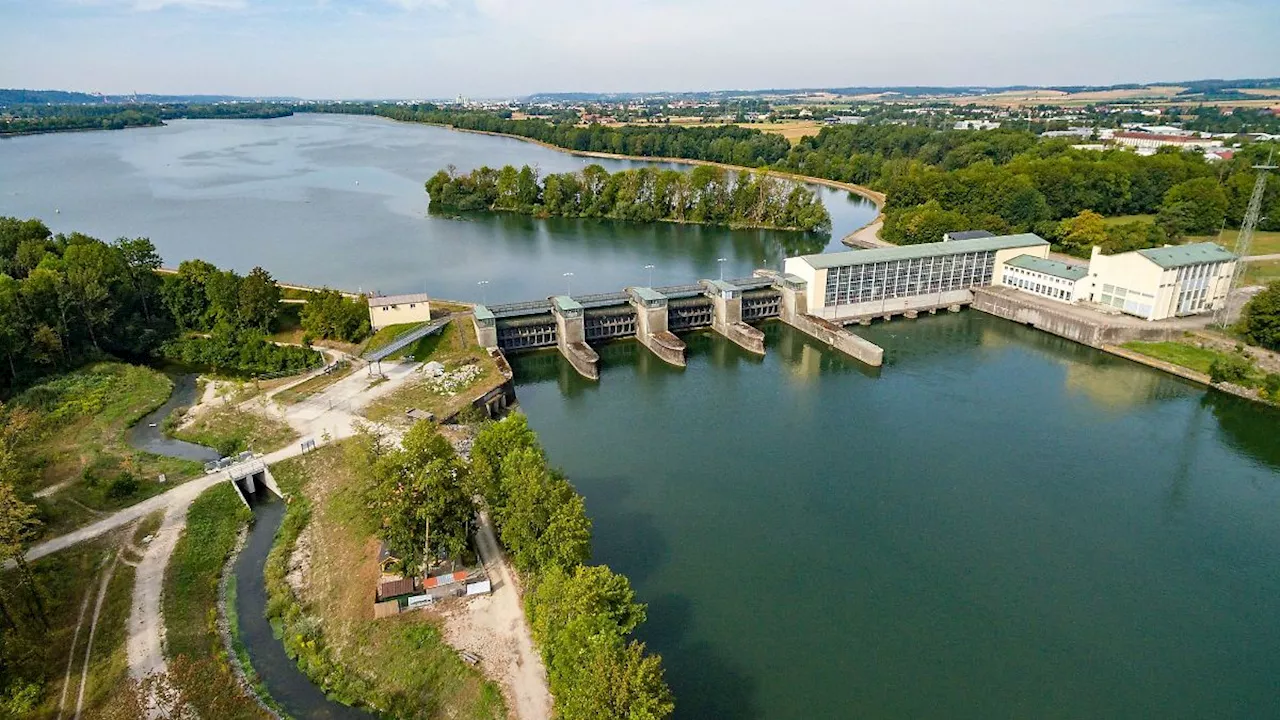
(870, 282)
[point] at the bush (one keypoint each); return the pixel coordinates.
(1271, 385)
(122, 486)
(1230, 369)
(1261, 319)
(243, 352)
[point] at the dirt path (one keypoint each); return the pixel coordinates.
(145, 644)
(71, 656)
(93, 630)
(494, 627)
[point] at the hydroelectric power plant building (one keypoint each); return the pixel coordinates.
(904, 280)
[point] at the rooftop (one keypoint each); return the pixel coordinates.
(565, 303)
(1049, 267)
(381, 300)
(722, 286)
(648, 294)
(1176, 256)
(910, 252)
(969, 235)
(483, 313)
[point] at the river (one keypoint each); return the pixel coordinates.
(339, 200)
(997, 523)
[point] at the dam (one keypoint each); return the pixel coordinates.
(653, 316)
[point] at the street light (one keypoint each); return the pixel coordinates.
(722, 261)
(568, 284)
(483, 299)
(650, 269)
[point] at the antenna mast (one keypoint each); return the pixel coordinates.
(1245, 239)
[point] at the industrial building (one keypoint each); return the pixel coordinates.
(883, 281)
(1047, 278)
(387, 310)
(1159, 283)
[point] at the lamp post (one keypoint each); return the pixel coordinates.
(483, 294)
(650, 269)
(722, 261)
(568, 283)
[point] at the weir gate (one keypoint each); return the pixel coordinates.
(653, 315)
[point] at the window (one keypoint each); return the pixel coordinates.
(412, 306)
(393, 307)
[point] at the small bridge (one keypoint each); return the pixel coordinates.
(653, 315)
(249, 476)
(406, 339)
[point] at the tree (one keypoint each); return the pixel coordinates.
(1233, 368)
(18, 525)
(329, 315)
(1261, 319)
(259, 300)
(1081, 233)
(1195, 207)
(492, 445)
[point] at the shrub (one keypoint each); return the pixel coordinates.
(122, 486)
(1271, 385)
(1230, 369)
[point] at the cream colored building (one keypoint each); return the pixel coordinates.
(1047, 278)
(858, 283)
(1159, 283)
(396, 309)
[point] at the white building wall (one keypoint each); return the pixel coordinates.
(381, 316)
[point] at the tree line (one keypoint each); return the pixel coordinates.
(706, 195)
(66, 299)
(24, 119)
(938, 180)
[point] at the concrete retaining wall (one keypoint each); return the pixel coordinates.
(1095, 333)
(894, 306)
(840, 339)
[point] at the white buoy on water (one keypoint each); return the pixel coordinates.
(57, 211)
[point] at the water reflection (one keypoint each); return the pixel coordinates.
(1247, 426)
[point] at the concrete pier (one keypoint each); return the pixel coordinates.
(651, 325)
(793, 312)
(571, 336)
(726, 303)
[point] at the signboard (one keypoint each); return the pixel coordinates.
(421, 600)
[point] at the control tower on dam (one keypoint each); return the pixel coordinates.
(654, 316)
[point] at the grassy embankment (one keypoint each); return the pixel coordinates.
(455, 347)
(229, 430)
(39, 655)
(194, 648)
(1201, 358)
(80, 442)
(399, 665)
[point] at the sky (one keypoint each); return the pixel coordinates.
(508, 48)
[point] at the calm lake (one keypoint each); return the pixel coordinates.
(996, 524)
(339, 200)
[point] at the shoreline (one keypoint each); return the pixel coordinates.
(876, 197)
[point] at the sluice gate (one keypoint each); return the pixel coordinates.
(653, 315)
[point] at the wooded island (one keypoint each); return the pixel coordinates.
(706, 195)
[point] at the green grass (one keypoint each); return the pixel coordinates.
(453, 347)
(1179, 353)
(1261, 273)
(37, 657)
(81, 423)
(190, 603)
(1122, 219)
(1265, 242)
(388, 334)
(229, 430)
(346, 647)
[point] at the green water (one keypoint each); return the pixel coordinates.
(996, 524)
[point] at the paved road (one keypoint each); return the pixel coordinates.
(1262, 258)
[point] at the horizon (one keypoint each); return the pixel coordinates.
(499, 49)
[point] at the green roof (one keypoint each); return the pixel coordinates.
(1049, 267)
(721, 285)
(648, 294)
(911, 252)
(483, 313)
(565, 303)
(1176, 256)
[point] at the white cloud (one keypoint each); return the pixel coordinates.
(149, 5)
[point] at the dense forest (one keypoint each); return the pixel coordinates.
(67, 299)
(707, 195)
(24, 119)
